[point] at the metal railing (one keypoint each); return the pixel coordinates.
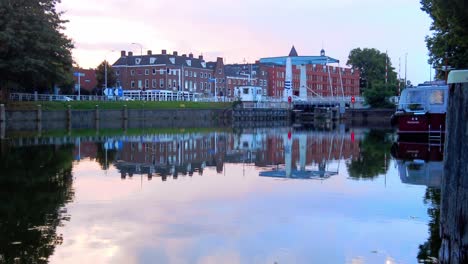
(133, 95)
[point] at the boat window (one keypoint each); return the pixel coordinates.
(245, 90)
(436, 97)
(415, 97)
(415, 100)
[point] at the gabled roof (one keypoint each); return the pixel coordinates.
(293, 52)
(161, 59)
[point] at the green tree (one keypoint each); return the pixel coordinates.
(100, 75)
(449, 43)
(34, 53)
(371, 64)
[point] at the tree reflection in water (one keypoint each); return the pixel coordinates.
(35, 184)
(374, 156)
(429, 251)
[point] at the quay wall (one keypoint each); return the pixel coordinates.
(454, 202)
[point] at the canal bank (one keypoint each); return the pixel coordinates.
(41, 119)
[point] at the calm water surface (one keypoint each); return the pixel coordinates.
(252, 196)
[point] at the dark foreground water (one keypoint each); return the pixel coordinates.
(253, 196)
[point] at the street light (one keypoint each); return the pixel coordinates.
(141, 47)
(141, 57)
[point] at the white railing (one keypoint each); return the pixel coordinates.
(129, 95)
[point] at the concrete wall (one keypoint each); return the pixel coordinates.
(454, 204)
(115, 119)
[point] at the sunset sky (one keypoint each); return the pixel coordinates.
(248, 30)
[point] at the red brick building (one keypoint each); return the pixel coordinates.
(164, 71)
(87, 82)
(322, 80)
(187, 73)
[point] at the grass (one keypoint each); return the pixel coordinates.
(88, 105)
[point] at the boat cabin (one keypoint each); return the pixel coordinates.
(249, 93)
(424, 99)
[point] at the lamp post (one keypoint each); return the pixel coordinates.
(141, 47)
(141, 55)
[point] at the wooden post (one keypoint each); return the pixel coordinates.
(454, 204)
(69, 113)
(96, 113)
(2, 130)
(39, 113)
(2, 113)
(125, 113)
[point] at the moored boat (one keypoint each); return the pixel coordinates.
(422, 111)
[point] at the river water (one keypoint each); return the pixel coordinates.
(258, 195)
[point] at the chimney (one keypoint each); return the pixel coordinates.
(163, 52)
(123, 53)
(184, 55)
(150, 52)
(200, 57)
(219, 59)
(130, 53)
(191, 55)
(174, 53)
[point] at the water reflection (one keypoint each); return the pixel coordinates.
(421, 163)
(211, 197)
(33, 191)
(373, 159)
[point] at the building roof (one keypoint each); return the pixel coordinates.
(293, 52)
(240, 70)
(161, 59)
(299, 60)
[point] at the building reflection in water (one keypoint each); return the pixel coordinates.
(421, 163)
(281, 152)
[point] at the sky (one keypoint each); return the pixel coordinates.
(247, 30)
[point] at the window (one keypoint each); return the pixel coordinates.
(194, 74)
(161, 83)
(174, 84)
(436, 97)
(209, 75)
(132, 72)
(117, 72)
(146, 71)
(154, 71)
(186, 84)
(161, 71)
(186, 73)
(132, 84)
(146, 83)
(220, 71)
(191, 73)
(154, 83)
